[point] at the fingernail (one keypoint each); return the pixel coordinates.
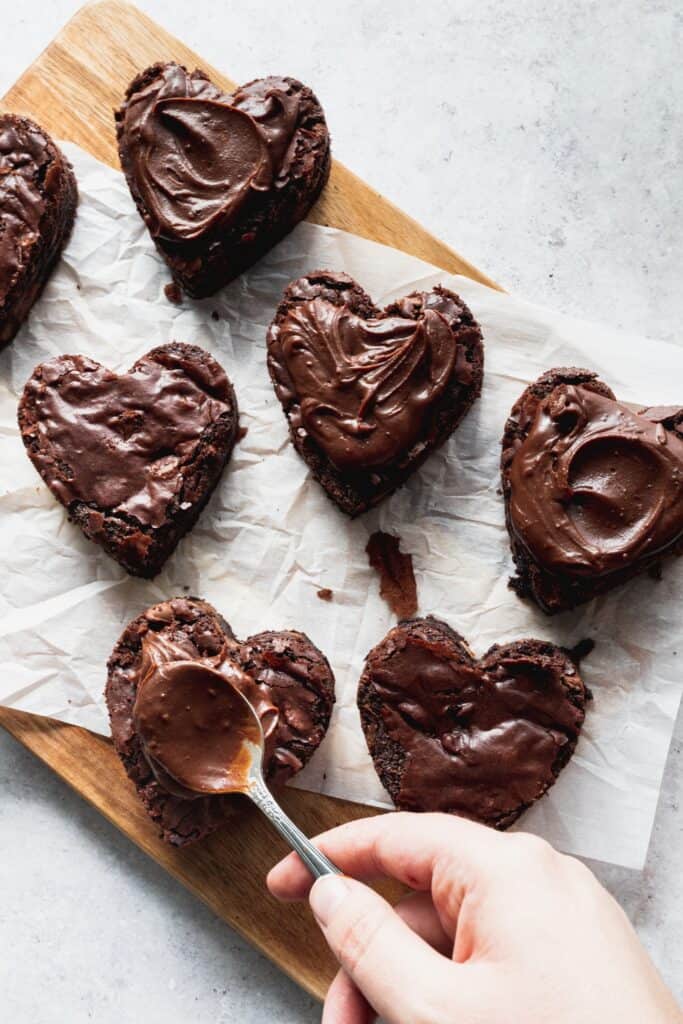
(326, 896)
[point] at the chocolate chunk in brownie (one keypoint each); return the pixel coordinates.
(481, 738)
(285, 677)
(593, 490)
(134, 458)
(38, 199)
(369, 393)
(219, 178)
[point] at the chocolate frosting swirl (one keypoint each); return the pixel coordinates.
(23, 152)
(595, 487)
(364, 387)
(199, 156)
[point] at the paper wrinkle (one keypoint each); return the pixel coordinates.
(270, 538)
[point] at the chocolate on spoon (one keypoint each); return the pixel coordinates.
(202, 736)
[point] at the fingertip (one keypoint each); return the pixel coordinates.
(289, 880)
(272, 881)
(278, 878)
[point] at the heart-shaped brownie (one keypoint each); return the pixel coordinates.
(134, 458)
(38, 198)
(480, 738)
(369, 393)
(593, 489)
(285, 677)
(220, 178)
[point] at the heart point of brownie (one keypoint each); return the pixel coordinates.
(169, 648)
(593, 489)
(133, 457)
(482, 738)
(219, 177)
(38, 197)
(369, 393)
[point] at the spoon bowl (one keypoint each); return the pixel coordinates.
(202, 735)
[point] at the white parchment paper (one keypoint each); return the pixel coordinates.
(269, 538)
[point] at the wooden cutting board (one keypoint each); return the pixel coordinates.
(71, 91)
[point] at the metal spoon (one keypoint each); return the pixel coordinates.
(237, 736)
(257, 791)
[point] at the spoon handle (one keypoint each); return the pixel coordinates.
(316, 862)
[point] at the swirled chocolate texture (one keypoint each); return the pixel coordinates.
(593, 489)
(219, 178)
(482, 738)
(37, 207)
(369, 393)
(284, 676)
(132, 457)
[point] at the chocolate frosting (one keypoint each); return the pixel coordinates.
(362, 388)
(23, 155)
(198, 155)
(484, 739)
(192, 724)
(188, 751)
(595, 487)
(124, 438)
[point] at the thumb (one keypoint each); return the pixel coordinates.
(393, 967)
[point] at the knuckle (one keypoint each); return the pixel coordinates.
(356, 937)
(533, 848)
(576, 870)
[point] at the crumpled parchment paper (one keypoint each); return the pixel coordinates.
(270, 538)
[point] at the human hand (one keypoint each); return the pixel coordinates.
(501, 928)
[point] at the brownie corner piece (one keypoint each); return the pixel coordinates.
(38, 198)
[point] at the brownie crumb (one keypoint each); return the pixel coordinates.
(396, 578)
(325, 594)
(215, 315)
(173, 293)
(241, 434)
(581, 650)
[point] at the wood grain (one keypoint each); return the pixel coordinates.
(71, 90)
